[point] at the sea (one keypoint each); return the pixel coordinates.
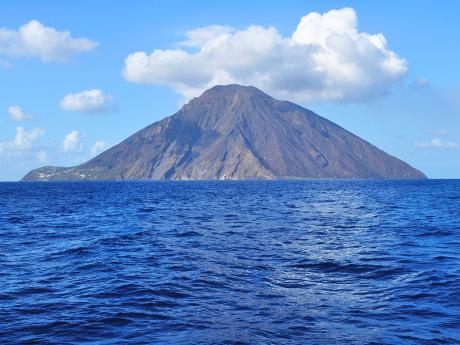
(230, 262)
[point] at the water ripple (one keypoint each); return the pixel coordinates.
(256, 262)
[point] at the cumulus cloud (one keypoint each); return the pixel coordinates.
(198, 37)
(72, 142)
(98, 147)
(17, 114)
(36, 40)
(326, 58)
(89, 101)
(437, 143)
(23, 141)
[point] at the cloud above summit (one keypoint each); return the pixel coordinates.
(34, 39)
(325, 58)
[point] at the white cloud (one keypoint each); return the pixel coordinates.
(437, 143)
(42, 156)
(198, 37)
(326, 58)
(72, 142)
(98, 147)
(23, 141)
(421, 82)
(442, 132)
(36, 40)
(5, 64)
(17, 114)
(89, 101)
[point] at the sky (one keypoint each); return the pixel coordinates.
(79, 77)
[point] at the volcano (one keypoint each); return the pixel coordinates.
(237, 132)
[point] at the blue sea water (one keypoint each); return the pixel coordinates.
(254, 262)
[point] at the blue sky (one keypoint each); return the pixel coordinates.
(410, 110)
